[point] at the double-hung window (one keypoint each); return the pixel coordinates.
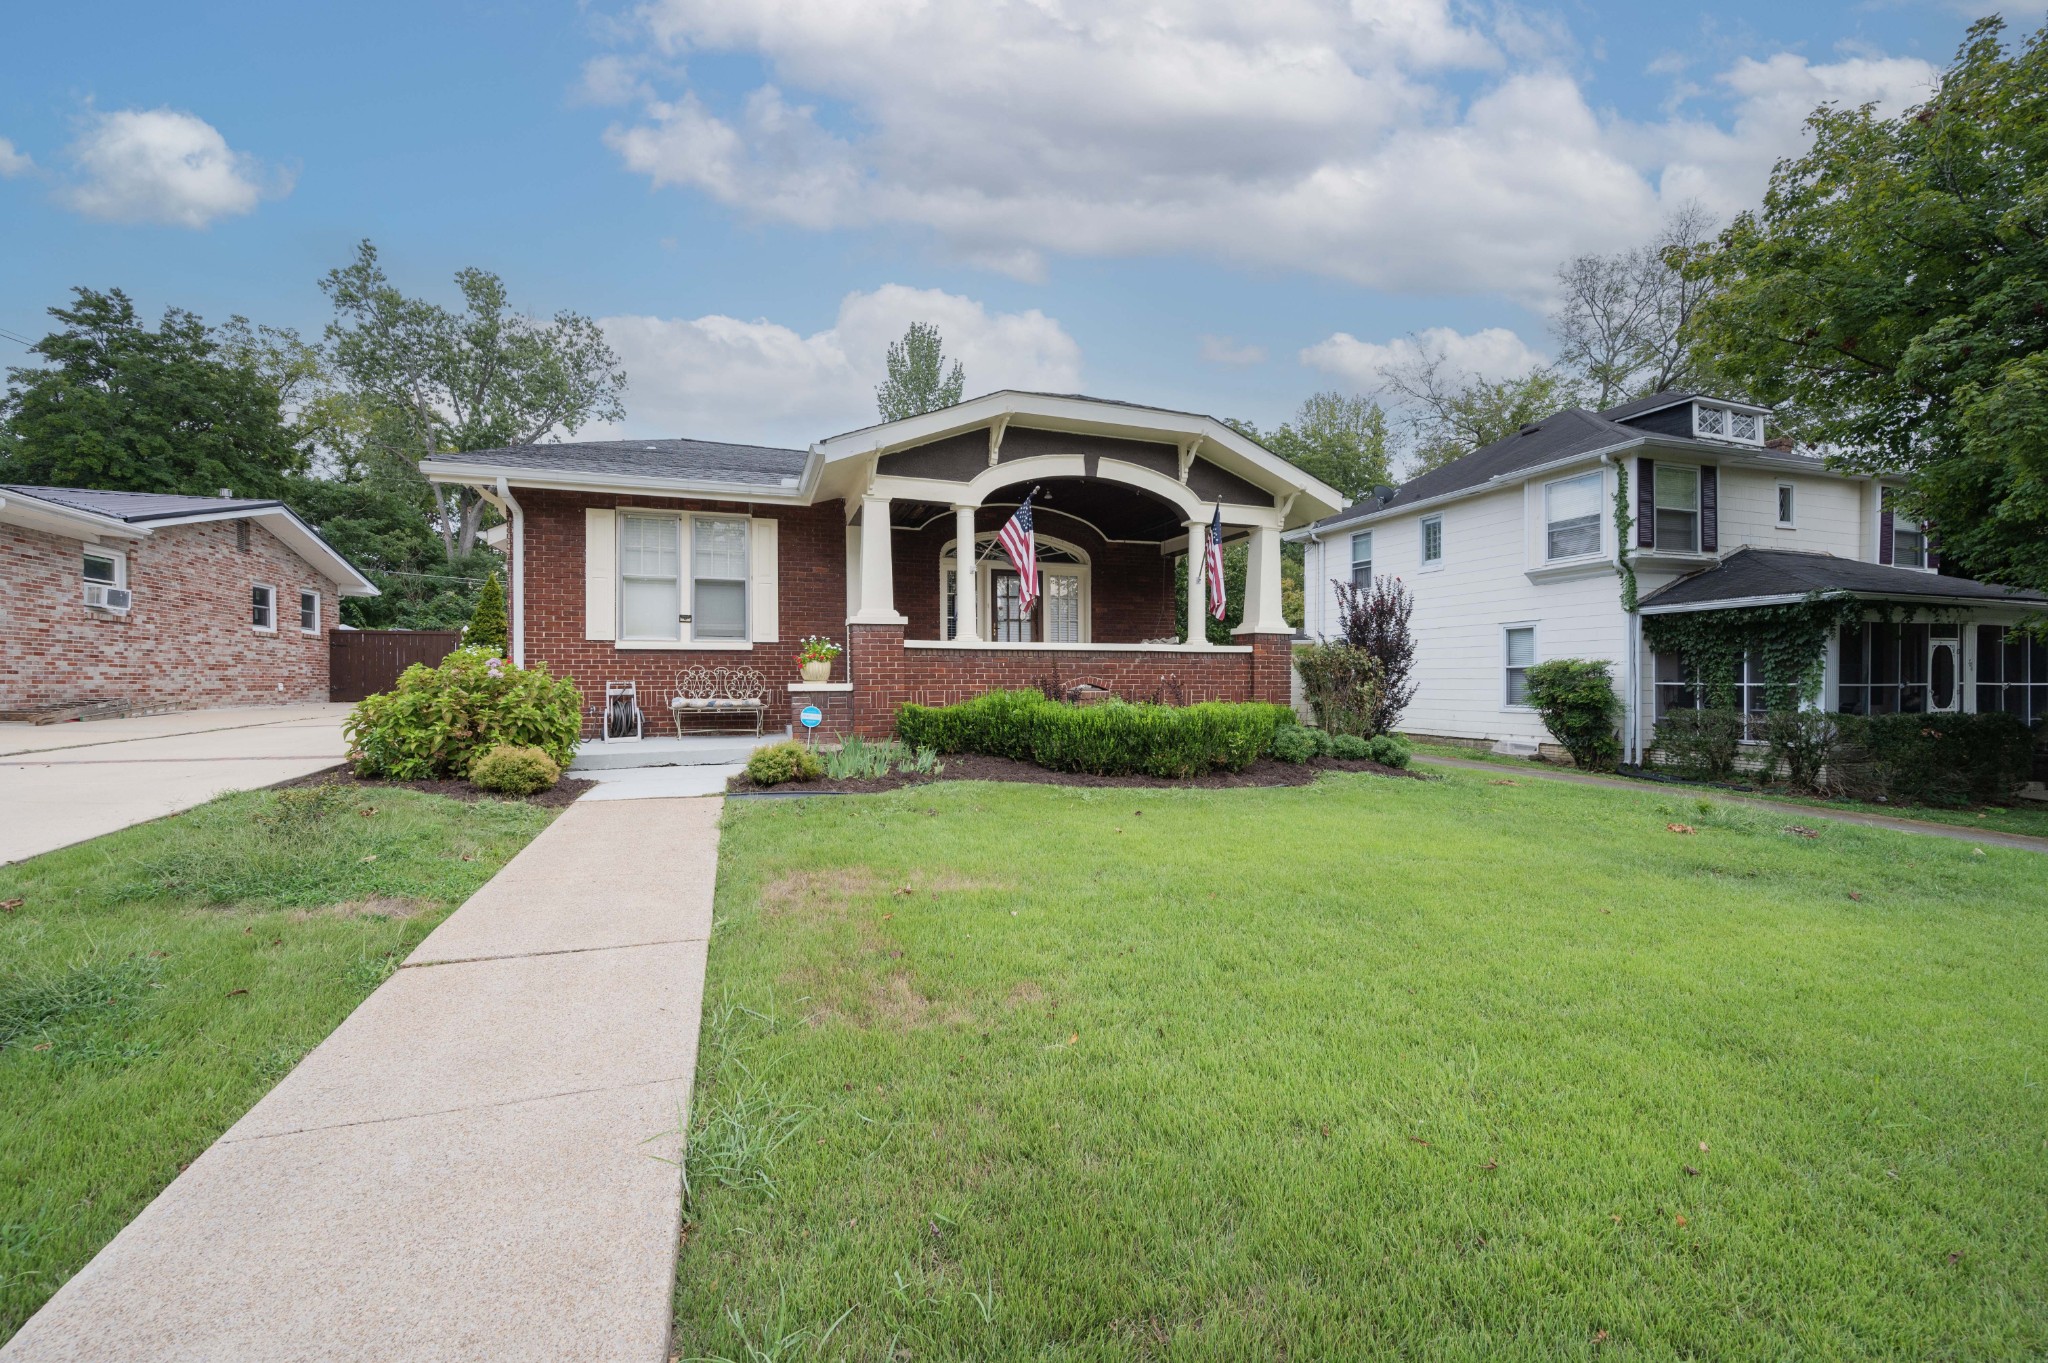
(309, 612)
(650, 576)
(1432, 540)
(106, 580)
(1361, 559)
(263, 608)
(718, 576)
(1786, 507)
(1909, 544)
(1520, 655)
(1677, 509)
(1571, 517)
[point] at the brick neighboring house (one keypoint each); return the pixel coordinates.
(156, 602)
(635, 560)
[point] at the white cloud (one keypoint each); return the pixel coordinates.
(13, 162)
(1494, 353)
(760, 382)
(164, 166)
(1223, 350)
(1294, 133)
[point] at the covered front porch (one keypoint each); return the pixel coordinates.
(935, 610)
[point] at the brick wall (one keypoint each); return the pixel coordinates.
(186, 642)
(886, 674)
(1131, 585)
(810, 593)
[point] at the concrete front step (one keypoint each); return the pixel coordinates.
(709, 750)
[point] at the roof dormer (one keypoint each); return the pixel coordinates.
(1735, 422)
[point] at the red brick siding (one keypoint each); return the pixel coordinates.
(886, 674)
(1131, 585)
(186, 642)
(810, 592)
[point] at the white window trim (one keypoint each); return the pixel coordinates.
(1535, 657)
(1699, 514)
(1430, 565)
(120, 582)
(985, 569)
(619, 634)
(1599, 481)
(1365, 535)
(1726, 434)
(1784, 486)
(746, 580)
(1901, 521)
(305, 592)
(270, 628)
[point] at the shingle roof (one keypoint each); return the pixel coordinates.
(1558, 436)
(138, 507)
(1748, 574)
(709, 461)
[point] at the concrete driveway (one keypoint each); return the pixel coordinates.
(64, 783)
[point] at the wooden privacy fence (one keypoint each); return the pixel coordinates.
(362, 662)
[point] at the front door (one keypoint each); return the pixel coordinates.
(1011, 622)
(1944, 673)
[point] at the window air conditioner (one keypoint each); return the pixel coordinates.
(108, 598)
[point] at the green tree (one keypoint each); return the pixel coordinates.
(1339, 438)
(488, 626)
(1451, 414)
(918, 381)
(1891, 296)
(116, 404)
(436, 380)
(1625, 322)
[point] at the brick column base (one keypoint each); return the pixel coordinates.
(1272, 667)
(879, 671)
(834, 701)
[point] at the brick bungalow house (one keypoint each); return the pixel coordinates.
(144, 601)
(634, 560)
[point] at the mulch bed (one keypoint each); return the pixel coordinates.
(973, 767)
(565, 792)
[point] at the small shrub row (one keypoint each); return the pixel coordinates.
(437, 721)
(1950, 760)
(1301, 743)
(1110, 739)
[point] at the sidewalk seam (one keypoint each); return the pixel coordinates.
(231, 1139)
(410, 964)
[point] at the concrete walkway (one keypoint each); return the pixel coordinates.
(1794, 812)
(475, 1165)
(64, 783)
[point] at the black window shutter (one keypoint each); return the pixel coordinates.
(1710, 509)
(1933, 548)
(1646, 504)
(1884, 526)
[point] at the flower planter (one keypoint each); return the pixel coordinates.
(818, 673)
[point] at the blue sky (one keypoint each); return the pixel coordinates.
(1216, 206)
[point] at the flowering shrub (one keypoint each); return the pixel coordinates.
(816, 648)
(438, 720)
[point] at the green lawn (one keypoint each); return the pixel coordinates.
(1370, 1068)
(156, 982)
(2029, 817)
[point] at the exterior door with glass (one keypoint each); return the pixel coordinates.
(1944, 668)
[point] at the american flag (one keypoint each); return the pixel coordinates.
(1021, 544)
(1212, 565)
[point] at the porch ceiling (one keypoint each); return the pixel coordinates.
(1117, 510)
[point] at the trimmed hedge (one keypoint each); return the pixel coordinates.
(1576, 698)
(1110, 739)
(1952, 760)
(779, 762)
(1700, 745)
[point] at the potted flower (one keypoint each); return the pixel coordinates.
(814, 655)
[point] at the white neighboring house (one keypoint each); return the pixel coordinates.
(1512, 556)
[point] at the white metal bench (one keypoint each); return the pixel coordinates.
(710, 692)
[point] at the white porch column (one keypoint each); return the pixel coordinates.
(877, 565)
(966, 608)
(1198, 591)
(1262, 609)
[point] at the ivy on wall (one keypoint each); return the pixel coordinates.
(1790, 641)
(1624, 526)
